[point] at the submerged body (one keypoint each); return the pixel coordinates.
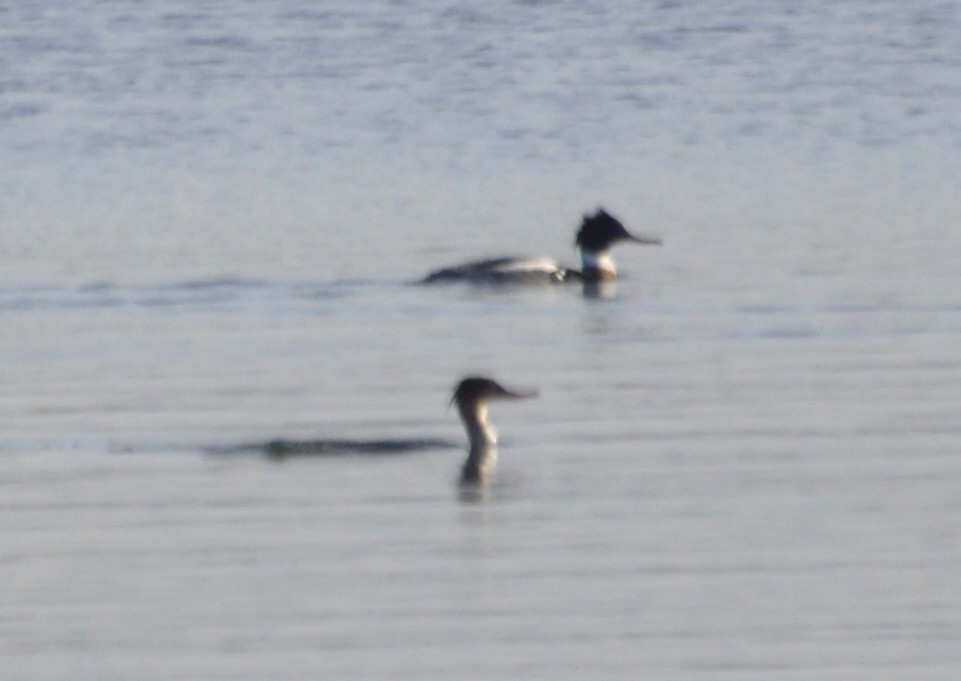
(597, 234)
(283, 448)
(472, 397)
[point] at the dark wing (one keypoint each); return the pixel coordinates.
(469, 270)
(501, 271)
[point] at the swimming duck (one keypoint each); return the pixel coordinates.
(472, 396)
(597, 234)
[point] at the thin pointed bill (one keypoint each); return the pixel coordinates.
(509, 394)
(645, 239)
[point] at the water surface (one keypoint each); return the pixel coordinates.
(743, 461)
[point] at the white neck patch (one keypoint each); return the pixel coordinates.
(598, 260)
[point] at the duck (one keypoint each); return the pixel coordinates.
(597, 234)
(472, 396)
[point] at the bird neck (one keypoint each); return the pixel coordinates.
(483, 442)
(479, 430)
(598, 265)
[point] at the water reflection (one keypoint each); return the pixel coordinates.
(600, 290)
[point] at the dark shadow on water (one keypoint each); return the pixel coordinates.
(281, 449)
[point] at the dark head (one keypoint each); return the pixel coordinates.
(601, 230)
(597, 234)
(474, 390)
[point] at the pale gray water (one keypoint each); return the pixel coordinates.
(744, 464)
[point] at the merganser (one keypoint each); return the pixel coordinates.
(472, 396)
(597, 234)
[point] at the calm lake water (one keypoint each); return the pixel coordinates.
(744, 461)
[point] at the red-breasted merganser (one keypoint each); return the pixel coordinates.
(472, 396)
(597, 234)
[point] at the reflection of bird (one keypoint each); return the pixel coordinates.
(472, 396)
(597, 234)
